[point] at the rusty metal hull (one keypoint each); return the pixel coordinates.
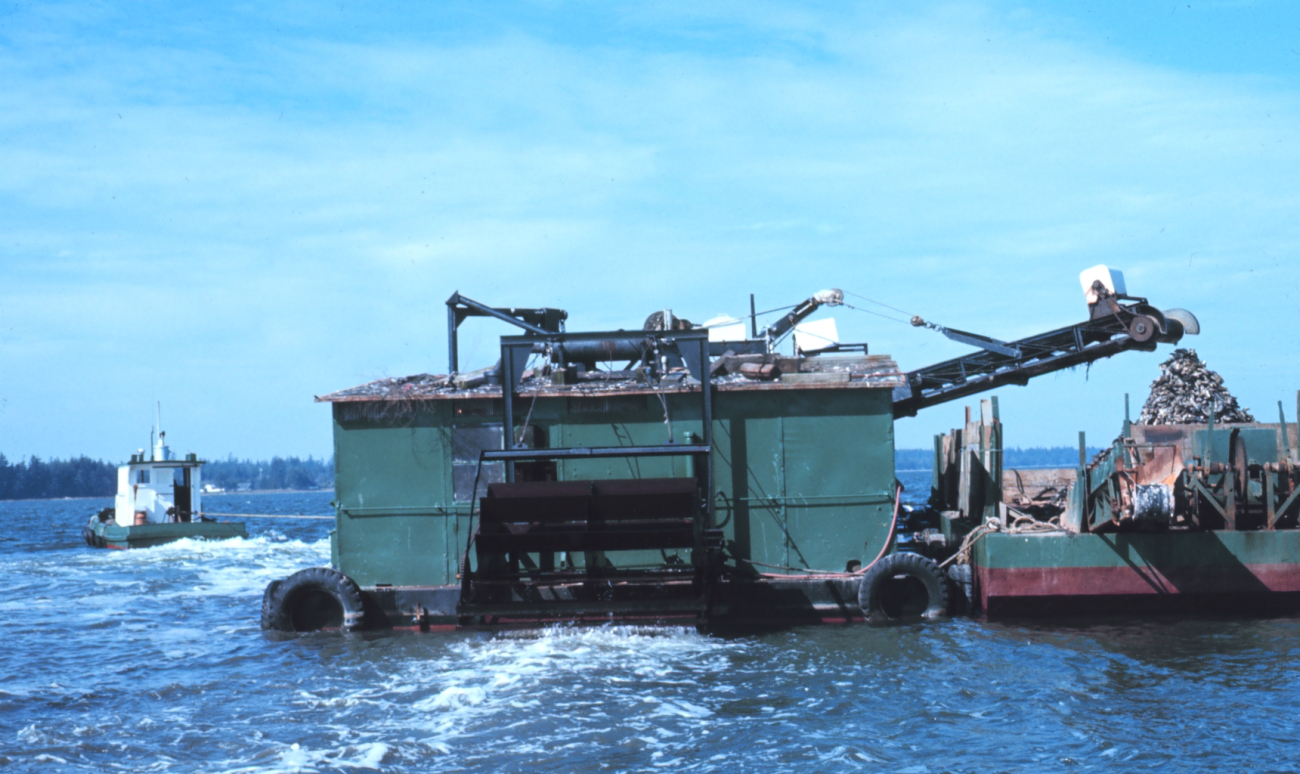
(1057, 574)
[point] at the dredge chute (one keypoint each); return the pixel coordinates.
(1117, 322)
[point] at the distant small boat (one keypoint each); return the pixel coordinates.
(159, 500)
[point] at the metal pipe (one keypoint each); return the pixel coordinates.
(707, 386)
(602, 351)
(453, 356)
(973, 339)
(594, 452)
(1286, 440)
(490, 312)
(508, 404)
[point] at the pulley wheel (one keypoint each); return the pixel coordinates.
(1143, 328)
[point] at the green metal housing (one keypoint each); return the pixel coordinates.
(804, 474)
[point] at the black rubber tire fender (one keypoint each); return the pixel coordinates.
(269, 604)
(88, 531)
(924, 569)
(960, 589)
(313, 599)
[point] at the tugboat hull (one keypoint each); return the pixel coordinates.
(101, 534)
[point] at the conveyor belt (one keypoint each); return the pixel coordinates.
(1038, 355)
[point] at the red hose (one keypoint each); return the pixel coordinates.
(898, 499)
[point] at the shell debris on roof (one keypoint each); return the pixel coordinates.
(825, 372)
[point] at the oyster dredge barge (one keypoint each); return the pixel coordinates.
(711, 481)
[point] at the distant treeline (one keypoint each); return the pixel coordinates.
(1033, 457)
(35, 480)
(279, 473)
(83, 477)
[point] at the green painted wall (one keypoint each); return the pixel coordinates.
(396, 522)
(1138, 550)
(804, 476)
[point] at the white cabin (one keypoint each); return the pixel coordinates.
(160, 490)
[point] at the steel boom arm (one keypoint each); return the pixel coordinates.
(1038, 355)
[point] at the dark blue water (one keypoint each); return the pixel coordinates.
(153, 660)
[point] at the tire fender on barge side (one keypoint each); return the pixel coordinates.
(313, 599)
(94, 539)
(88, 533)
(883, 600)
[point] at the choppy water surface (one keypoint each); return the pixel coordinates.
(153, 660)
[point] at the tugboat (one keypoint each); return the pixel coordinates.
(159, 500)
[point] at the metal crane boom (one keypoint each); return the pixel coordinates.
(1115, 327)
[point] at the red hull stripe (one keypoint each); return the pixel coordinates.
(997, 583)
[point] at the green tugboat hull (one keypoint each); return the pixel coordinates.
(109, 535)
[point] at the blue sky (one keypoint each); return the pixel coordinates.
(230, 210)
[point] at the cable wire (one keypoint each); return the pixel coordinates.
(879, 303)
(877, 314)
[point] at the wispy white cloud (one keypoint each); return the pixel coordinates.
(288, 196)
